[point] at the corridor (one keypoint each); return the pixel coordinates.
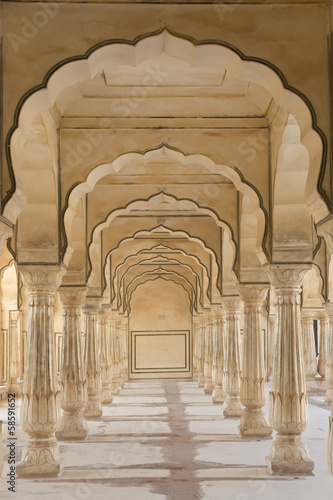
(165, 440)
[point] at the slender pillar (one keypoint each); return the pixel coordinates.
(309, 348)
(114, 360)
(124, 339)
(201, 378)
(15, 352)
(253, 377)
(119, 342)
(72, 378)
(195, 349)
(288, 410)
(329, 354)
(1, 449)
(92, 363)
(40, 410)
(218, 395)
(103, 325)
(209, 386)
(271, 344)
(323, 333)
(232, 406)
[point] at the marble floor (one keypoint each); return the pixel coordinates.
(166, 440)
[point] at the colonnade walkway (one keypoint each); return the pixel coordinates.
(165, 440)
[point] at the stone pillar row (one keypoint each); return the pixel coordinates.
(88, 380)
(89, 374)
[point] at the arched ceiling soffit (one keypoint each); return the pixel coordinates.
(135, 247)
(163, 204)
(175, 239)
(170, 154)
(216, 59)
(133, 253)
(160, 232)
(148, 266)
(170, 258)
(162, 278)
(152, 276)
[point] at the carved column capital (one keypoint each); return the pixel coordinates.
(288, 275)
(72, 296)
(232, 304)
(41, 278)
(308, 314)
(253, 293)
(329, 310)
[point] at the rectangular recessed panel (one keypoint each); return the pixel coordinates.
(160, 351)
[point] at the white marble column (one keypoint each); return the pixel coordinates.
(323, 333)
(232, 406)
(218, 395)
(253, 376)
(114, 359)
(92, 362)
(271, 344)
(195, 348)
(40, 410)
(1, 449)
(72, 380)
(104, 327)
(119, 342)
(15, 318)
(124, 340)
(288, 410)
(209, 386)
(309, 347)
(329, 354)
(201, 365)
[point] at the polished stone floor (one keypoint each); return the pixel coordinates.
(166, 440)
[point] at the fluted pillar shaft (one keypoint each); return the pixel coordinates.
(195, 350)
(323, 333)
(218, 395)
(329, 354)
(104, 327)
(271, 344)
(309, 347)
(119, 353)
(288, 410)
(73, 395)
(253, 377)
(232, 406)
(201, 365)
(114, 360)
(124, 338)
(209, 386)
(40, 410)
(15, 351)
(92, 363)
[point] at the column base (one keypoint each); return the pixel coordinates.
(16, 387)
(93, 408)
(330, 446)
(253, 424)
(72, 427)
(195, 376)
(115, 389)
(201, 380)
(232, 407)
(41, 458)
(106, 395)
(218, 395)
(289, 456)
(316, 385)
(328, 396)
(209, 386)
(121, 382)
